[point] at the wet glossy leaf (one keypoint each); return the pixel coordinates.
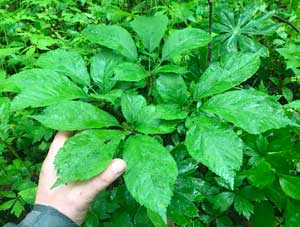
(231, 71)
(243, 206)
(150, 29)
(114, 37)
(86, 154)
(261, 175)
(214, 145)
(129, 72)
(66, 62)
(292, 218)
(182, 41)
(222, 201)
(41, 87)
(102, 67)
(181, 210)
(250, 110)
(290, 185)
(67, 116)
(151, 173)
(172, 89)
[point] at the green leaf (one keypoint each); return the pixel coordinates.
(293, 105)
(263, 215)
(131, 105)
(75, 115)
(181, 210)
(86, 154)
(102, 69)
(7, 205)
(113, 37)
(172, 89)
(222, 201)
(141, 219)
(215, 145)
(261, 175)
(145, 119)
(172, 69)
(170, 112)
(28, 195)
(17, 208)
(243, 206)
(250, 110)
(151, 173)
(290, 185)
(67, 62)
(4, 52)
(121, 219)
(129, 72)
(231, 71)
(292, 217)
(112, 96)
(150, 29)
(182, 41)
(156, 219)
(42, 87)
(149, 122)
(287, 94)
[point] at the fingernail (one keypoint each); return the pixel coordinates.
(118, 166)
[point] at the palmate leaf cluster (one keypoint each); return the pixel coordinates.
(201, 146)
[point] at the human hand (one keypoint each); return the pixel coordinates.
(72, 199)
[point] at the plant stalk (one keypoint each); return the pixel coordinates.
(209, 52)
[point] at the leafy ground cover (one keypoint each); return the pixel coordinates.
(200, 98)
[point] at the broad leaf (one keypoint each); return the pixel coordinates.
(263, 215)
(215, 145)
(292, 217)
(67, 62)
(181, 210)
(150, 29)
(172, 69)
(149, 122)
(222, 201)
(261, 175)
(231, 71)
(170, 112)
(172, 89)
(141, 218)
(147, 119)
(41, 87)
(182, 41)
(290, 185)
(86, 154)
(129, 72)
(243, 206)
(75, 115)
(102, 66)
(250, 110)
(156, 219)
(151, 173)
(131, 105)
(113, 37)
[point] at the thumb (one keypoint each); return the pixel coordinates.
(106, 178)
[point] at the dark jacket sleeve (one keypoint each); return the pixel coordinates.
(44, 216)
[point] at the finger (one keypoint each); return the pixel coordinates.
(58, 141)
(103, 180)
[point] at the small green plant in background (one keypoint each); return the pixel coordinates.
(202, 146)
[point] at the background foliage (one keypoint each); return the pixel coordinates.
(149, 71)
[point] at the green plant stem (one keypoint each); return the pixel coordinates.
(11, 149)
(209, 54)
(281, 19)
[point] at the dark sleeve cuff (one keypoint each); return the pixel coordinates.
(46, 216)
